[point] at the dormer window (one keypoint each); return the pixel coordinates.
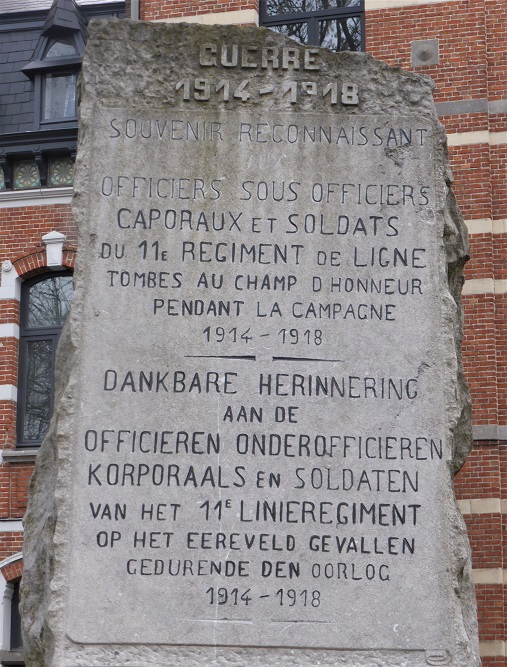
(55, 64)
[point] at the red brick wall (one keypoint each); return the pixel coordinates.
(21, 234)
(152, 10)
(23, 227)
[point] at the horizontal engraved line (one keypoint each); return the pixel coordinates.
(250, 357)
(218, 620)
(290, 620)
(307, 359)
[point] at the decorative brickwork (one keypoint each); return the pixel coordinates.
(13, 571)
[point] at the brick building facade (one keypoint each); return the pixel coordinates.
(460, 44)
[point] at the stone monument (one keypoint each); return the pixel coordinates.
(261, 403)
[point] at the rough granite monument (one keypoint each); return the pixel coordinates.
(261, 403)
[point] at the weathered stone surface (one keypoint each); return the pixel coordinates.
(261, 373)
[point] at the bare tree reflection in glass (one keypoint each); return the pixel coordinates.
(296, 31)
(341, 34)
(45, 303)
(334, 24)
(38, 389)
(49, 302)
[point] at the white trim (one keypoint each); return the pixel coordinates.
(480, 506)
(486, 226)
(492, 649)
(10, 286)
(6, 592)
(494, 575)
(11, 526)
(496, 138)
(8, 392)
(476, 137)
(388, 4)
(18, 455)
(485, 286)
(54, 248)
(11, 559)
(217, 18)
(9, 330)
(37, 197)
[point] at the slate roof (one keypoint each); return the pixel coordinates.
(18, 40)
(11, 6)
(65, 15)
(16, 91)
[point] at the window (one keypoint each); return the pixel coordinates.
(334, 24)
(54, 69)
(26, 175)
(59, 96)
(16, 640)
(45, 301)
(60, 48)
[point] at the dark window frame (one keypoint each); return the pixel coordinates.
(16, 639)
(62, 119)
(42, 65)
(312, 18)
(27, 335)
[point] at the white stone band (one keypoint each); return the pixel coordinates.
(8, 392)
(39, 197)
(477, 137)
(484, 286)
(492, 649)
(9, 330)
(217, 18)
(11, 527)
(486, 226)
(370, 5)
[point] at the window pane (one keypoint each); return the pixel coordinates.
(26, 175)
(274, 7)
(296, 31)
(59, 96)
(16, 640)
(39, 365)
(61, 171)
(58, 49)
(2, 179)
(49, 302)
(341, 34)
